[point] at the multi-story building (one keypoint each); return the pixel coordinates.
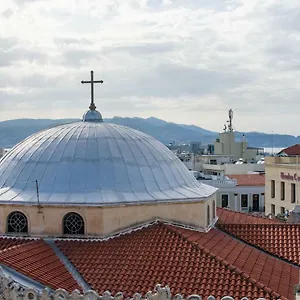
(239, 192)
(226, 155)
(221, 165)
(226, 144)
(282, 184)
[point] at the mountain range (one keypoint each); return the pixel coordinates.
(14, 131)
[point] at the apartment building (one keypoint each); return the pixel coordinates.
(240, 192)
(282, 184)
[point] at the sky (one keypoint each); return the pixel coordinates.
(183, 61)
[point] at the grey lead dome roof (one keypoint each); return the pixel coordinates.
(95, 164)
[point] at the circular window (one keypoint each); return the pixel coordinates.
(73, 224)
(17, 223)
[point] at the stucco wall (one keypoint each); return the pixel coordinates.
(235, 201)
(101, 221)
(274, 167)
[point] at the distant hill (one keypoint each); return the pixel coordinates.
(14, 131)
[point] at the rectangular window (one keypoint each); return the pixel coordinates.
(272, 188)
(282, 190)
(244, 200)
(225, 200)
(213, 161)
(282, 210)
(293, 192)
(255, 201)
(273, 209)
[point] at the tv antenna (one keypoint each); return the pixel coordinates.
(230, 126)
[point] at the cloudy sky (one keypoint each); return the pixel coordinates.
(185, 61)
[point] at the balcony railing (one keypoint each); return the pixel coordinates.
(220, 182)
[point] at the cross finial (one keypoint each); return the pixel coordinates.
(92, 81)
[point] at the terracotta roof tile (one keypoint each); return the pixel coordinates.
(267, 270)
(278, 239)
(249, 179)
(37, 260)
(6, 242)
(292, 150)
(227, 216)
(158, 254)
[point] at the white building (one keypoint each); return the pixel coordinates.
(221, 165)
(239, 192)
(229, 157)
(226, 144)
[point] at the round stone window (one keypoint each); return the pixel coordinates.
(73, 224)
(17, 223)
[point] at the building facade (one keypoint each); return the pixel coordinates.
(240, 192)
(221, 165)
(226, 144)
(282, 184)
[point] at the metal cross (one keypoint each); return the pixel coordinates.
(92, 81)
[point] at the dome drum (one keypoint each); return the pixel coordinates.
(99, 221)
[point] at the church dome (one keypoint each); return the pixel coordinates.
(95, 163)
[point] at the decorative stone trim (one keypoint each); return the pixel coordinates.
(11, 290)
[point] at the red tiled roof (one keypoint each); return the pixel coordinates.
(227, 216)
(249, 179)
(37, 260)
(9, 242)
(158, 254)
(292, 151)
(274, 273)
(281, 240)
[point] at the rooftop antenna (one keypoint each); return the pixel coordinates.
(272, 143)
(38, 196)
(243, 150)
(230, 126)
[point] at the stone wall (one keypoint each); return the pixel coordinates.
(102, 221)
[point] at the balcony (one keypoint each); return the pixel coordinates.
(219, 183)
(213, 167)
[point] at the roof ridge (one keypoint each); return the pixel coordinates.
(114, 235)
(282, 224)
(226, 264)
(10, 237)
(14, 247)
(276, 256)
(70, 267)
(247, 214)
(35, 261)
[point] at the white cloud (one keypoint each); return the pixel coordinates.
(181, 60)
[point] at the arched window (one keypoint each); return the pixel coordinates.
(214, 209)
(208, 215)
(73, 224)
(17, 223)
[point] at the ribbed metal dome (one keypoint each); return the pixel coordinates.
(97, 164)
(92, 116)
